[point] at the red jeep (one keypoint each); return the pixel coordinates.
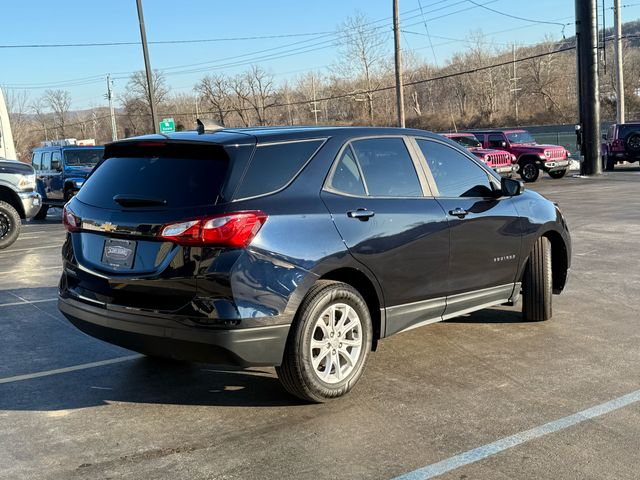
(621, 144)
(531, 157)
(502, 162)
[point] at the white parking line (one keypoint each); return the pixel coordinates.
(490, 449)
(26, 302)
(39, 269)
(13, 250)
(57, 371)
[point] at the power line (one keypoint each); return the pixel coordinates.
(517, 17)
(160, 42)
(297, 51)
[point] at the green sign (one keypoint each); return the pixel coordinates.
(167, 125)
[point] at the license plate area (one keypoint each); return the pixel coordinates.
(119, 253)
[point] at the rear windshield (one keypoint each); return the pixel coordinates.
(274, 165)
(180, 182)
(85, 157)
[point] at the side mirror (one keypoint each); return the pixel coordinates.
(511, 187)
(55, 165)
(503, 144)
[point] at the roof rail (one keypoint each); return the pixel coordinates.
(207, 126)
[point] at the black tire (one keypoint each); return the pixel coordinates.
(529, 171)
(537, 283)
(297, 373)
(558, 173)
(42, 213)
(609, 163)
(9, 225)
(632, 143)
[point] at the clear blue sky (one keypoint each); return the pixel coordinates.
(81, 21)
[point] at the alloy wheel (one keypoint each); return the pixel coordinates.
(336, 343)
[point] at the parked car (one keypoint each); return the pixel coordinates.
(18, 198)
(500, 161)
(61, 168)
(531, 157)
(299, 247)
(621, 144)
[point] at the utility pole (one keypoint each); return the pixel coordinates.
(617, 45)
(313, 92)
(147, 67)
(515, 79)
(114, 129)
(399, 89)
(588, 98)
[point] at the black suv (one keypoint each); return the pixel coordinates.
(299, 248)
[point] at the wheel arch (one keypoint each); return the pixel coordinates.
(9, 196)
(559, 260)
(366, 287)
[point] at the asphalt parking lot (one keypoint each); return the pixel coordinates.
(515, 399)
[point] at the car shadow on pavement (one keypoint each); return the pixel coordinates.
(149, 381)
(491, 315)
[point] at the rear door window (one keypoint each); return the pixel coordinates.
(181, 182)
(274, 165)
(346, 176)
(387, 167)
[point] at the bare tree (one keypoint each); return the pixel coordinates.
(216, 91)
(17, 105)
(137, 87)
(59, 102)
(362, 52)
(261, 92)
(239, 99)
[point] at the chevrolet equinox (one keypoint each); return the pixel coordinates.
(299, 247)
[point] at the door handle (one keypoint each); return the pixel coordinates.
(361, 214)
(458, 212)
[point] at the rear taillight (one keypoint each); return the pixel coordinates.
(235, 229)
(69, 219)
(617, 143)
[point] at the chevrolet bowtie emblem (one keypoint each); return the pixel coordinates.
(108, 227)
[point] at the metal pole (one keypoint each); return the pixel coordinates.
(114, 129)
(147, 67)
(515, 88)
(313, 92)
(399, 89)
(617, 45)
(587, 52)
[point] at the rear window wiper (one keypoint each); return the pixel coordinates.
(137, 201)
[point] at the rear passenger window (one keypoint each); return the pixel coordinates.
(346, 177)
(274, 165)
(387, 167)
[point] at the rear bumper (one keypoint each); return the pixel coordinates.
(31, 203)
(255, 346)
